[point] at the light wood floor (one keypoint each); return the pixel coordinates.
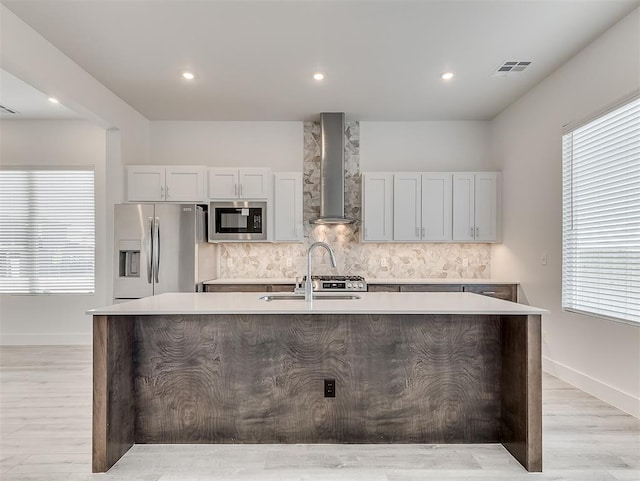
(45, 431)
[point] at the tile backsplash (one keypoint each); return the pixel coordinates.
(371, 260)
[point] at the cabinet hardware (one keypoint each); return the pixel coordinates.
(162, 191)
(423, 233)
(418, 232)
(235, 189)
(167, 192)
(241, 190)
(471, 233)
(477, 232)
(489, 292)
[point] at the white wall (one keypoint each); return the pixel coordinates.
(425, 146)
(277, 145)
(384, 146)
(59, 318)
(30, 57)
(598, 356)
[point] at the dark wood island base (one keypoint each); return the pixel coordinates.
(259, 378)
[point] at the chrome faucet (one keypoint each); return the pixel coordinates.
(308, 285)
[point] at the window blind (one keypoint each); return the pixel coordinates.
(601, 216)
(47, 240)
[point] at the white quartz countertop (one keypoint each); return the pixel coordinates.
(368, 303)
(425, 280)
(253, 280)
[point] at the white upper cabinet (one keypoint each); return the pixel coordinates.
(228, 183)
(422, 207)
(254, 183)
(475, 206)
(407, 207)
(377, 206)
(431, 207)
(155, 183)
(436, 207)
(222, 183)
(184, 184)
(288, 207)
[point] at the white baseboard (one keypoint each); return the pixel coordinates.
(71, 339)
(609, 394)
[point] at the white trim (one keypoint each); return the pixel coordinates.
(609, 394)
(71, 339)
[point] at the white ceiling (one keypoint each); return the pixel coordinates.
(27, 102)
(254, 60)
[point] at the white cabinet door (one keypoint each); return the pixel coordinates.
(226, 183)
(145, 183)
(407, 215)
(486, 207)
(254, 183)
(463, 206)
(436, 207)
(222, 183)
(377, 206)
(475, 206)
(288, 206)
(184, 184)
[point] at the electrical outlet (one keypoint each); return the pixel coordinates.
(543, 259)
(289, 263)
(383, 262)
(229, 262)
(329, 388)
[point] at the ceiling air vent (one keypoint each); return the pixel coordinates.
(7, 110)
(511, 69)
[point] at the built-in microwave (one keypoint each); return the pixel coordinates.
(237, 221)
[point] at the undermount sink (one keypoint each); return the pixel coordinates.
(316, 297)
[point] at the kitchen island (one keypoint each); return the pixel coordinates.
(232, 368)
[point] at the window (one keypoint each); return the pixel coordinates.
(601, 216)
(47, 239)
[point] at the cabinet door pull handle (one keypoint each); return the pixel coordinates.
(241, 189)
(418, 232)
(235, 189)
(167, 192)
(161, 192)
(477, 232)
(471, 232)
(489, 292)
(423, 232)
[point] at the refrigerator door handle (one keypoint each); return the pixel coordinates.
(156, 249)
(149, 248)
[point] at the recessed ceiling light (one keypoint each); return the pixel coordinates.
(318, 76)
(188, 75)
(54, 100)
(447, 75)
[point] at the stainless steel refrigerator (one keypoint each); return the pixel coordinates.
(160, 248)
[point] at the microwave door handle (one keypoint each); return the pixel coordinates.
(149, 249)
(156, 250)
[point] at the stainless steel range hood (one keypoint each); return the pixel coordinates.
(332, 170)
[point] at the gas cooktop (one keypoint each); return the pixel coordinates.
(337, 283)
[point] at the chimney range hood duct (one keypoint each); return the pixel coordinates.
(332, 170)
